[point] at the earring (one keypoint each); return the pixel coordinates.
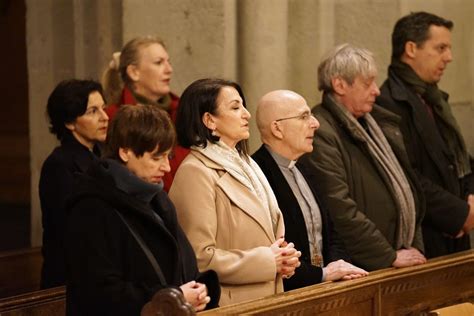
(214, 133)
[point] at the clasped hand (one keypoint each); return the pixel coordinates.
(196, 294)
(286, 257)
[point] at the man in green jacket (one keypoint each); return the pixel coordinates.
(360, 167)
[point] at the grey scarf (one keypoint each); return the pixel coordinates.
(381, 151)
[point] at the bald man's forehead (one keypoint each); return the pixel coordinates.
(278, 104)
(294, 106)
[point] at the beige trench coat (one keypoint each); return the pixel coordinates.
(228, 228)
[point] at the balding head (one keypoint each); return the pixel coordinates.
(273, 106)
(285, 123)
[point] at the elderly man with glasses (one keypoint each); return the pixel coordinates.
(287, 128)
(361, 168)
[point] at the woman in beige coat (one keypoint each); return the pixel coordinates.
(224, 202)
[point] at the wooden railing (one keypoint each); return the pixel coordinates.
(416, 290)
(441, 282)
(50, 302)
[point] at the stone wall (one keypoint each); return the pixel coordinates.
(264, 45)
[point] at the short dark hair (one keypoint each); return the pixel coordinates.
(415, 27)
(197, 99)
(67, 102)
(140, 128)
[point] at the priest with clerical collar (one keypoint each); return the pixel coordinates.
(287, 128)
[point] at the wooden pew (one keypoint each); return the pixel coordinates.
(416, 290)
(50, 302)
(20, 271)
(169, 301)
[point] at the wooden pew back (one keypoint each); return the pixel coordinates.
(20, 271)
(50, 302)
(416, 290)
(409, 291)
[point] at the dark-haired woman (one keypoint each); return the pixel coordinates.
(76, 115)
(224, 202)
(123, 239)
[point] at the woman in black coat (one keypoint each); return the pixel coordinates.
(77, 118)
(123, 239)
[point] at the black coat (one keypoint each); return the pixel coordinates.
(58, 175)
(108, 273)
(447, 208)
(295, 227)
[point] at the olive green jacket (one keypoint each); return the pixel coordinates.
(356, 190)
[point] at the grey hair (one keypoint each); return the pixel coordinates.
(347, 62)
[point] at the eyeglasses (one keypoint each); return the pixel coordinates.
(303, 116)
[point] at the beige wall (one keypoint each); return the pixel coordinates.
(264, 45)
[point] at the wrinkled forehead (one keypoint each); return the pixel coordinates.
(300, 108)
(294, 106)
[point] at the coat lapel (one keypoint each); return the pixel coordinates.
(240, 195)
(286, 199)
(247, 202)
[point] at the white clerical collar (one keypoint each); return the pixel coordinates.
(291, 164)
(280, 160)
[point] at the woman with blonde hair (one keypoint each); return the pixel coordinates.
(141, 74)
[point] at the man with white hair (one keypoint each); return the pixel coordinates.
(360, 167)
(287, 128)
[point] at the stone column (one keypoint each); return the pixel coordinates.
(50, 54)
(63, 42)
(263, 52)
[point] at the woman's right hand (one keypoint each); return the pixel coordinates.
(196, 294)
(286, 257)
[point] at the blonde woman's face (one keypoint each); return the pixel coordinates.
(152, 74)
